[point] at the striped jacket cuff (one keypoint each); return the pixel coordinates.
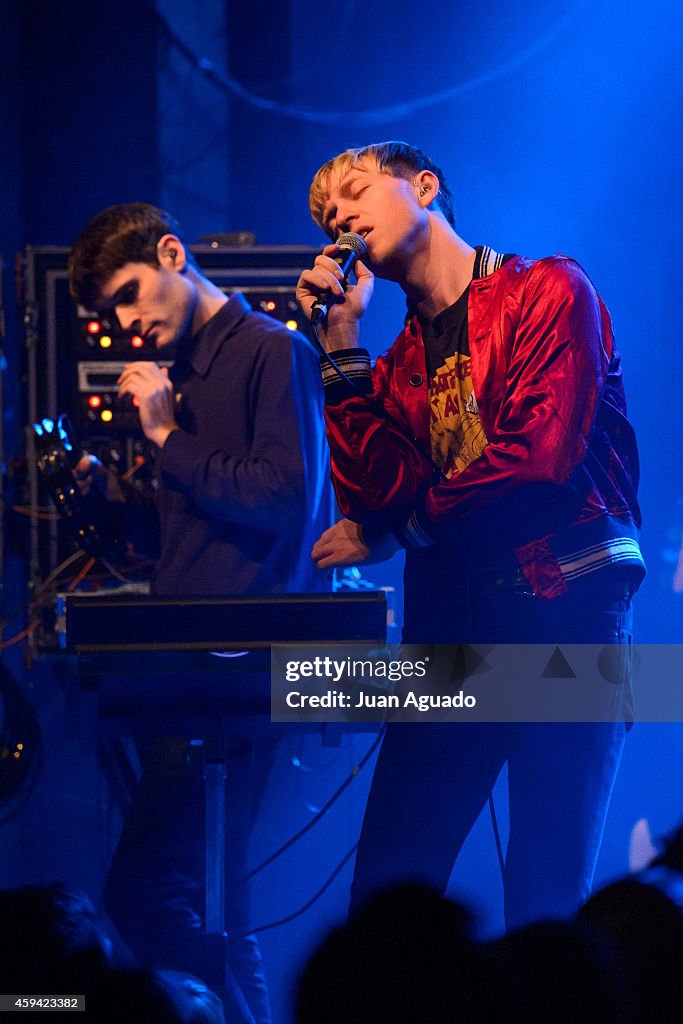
(412, 534)
(355, 364)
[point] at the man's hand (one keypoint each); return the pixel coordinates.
(154, 392)
(347, 305)
(343, 544)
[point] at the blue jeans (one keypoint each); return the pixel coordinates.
(432, 780)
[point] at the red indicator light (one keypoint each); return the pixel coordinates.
(270, 305)
(94, 327)
(94, 401)
(136, 403)
(136, 341)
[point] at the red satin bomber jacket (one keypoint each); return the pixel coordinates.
(561, 452)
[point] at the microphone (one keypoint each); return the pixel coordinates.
(352, 247)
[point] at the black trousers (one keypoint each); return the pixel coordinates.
(154, 893)
(432, 780)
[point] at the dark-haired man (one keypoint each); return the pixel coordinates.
(242, 493)
(241, 457)
(491, 442)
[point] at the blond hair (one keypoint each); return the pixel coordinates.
(395, 158)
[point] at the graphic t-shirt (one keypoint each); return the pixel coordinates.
(457, 436)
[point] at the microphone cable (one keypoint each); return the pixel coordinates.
(377, 409)
(306, 906)
(323, 810)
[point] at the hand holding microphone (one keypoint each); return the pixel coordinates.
(325, 289)
(352, 247)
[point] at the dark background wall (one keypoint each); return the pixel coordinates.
(89, 111)
(559, 130)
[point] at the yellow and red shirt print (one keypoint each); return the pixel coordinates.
(457, 436)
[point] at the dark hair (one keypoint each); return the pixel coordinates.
(196, 1002)
(406, 955)
(125, 233)
(50, 935)
(396, 158)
